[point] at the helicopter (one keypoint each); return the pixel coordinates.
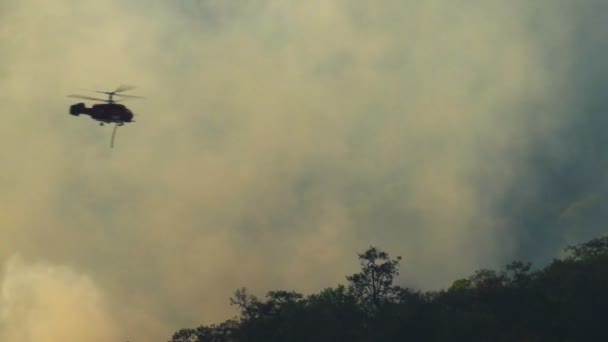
(108, 112)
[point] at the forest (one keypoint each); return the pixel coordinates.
(564, 301)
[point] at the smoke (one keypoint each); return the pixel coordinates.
(40, 302)
(279, 139)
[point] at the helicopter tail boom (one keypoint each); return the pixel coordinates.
(79, 108)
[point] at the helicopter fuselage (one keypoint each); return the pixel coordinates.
(104, 113)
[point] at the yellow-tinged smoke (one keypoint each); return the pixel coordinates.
(41, 302)
(276, 141)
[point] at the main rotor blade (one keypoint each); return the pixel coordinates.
(130, 96)
(87, 97)
(112, 93)
(123, 88)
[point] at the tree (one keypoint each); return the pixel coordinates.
(590, 249)
(185, 335)
(373, 286)
(249, 305)
(564, 301)
(334, 315)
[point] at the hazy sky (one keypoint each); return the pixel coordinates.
(278, 139)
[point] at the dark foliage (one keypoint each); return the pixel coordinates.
(565, 301)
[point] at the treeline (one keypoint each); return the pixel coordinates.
(565, 301)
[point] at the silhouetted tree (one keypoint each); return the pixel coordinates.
(593, 248)
(564, 301)
(223, 332)
(334, 315)
(373, 286)
(249, 305)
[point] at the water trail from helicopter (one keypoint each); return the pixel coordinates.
(113, 136)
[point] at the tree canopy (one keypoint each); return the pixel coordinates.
(564, 301)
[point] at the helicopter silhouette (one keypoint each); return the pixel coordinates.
(108, 112)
